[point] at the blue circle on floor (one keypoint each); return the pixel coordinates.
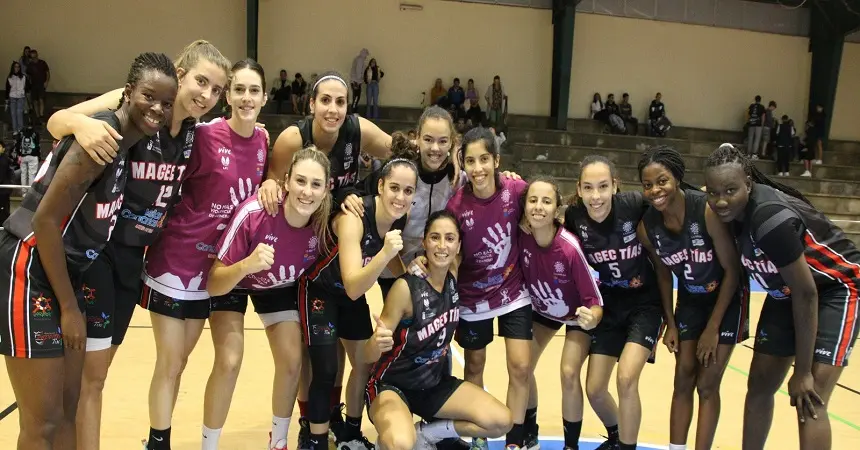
(557, 443)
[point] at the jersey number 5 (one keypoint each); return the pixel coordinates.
(616, 272)
(164, 196)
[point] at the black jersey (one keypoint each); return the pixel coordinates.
(89, 227)
(156, 167)
(612, 247)
(690, 255)
(779, 228)
(344, 154)
(325, 273)
(417, 360)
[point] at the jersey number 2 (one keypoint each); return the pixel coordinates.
(688, 271)
(164, 196)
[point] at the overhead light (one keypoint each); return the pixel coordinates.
(410, 7)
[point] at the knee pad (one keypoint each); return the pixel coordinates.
(324, 372)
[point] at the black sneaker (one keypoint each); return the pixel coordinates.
(452, 444)
(304, 434)
(609, 444)
(530, 440)
(360, 443)
(336, 422)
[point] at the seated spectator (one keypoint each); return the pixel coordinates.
(456, 96)
(28, 152)
(495, 98)
(597, 107)
(474, 115)
(613, 116)
(281, 90)
(658, 123)
(755, 122)
(438, 94)
(631, 123)
(299, 95)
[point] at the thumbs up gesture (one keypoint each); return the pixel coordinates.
(383, 336)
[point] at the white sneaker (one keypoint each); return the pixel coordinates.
(817, 162)
(422, 442)
(806, 173)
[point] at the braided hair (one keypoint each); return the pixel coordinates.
(669, 158)
(728, 153)
(144, 62)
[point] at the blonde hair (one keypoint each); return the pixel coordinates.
(319, 219)
(199, 50)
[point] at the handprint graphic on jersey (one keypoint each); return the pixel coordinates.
(500, 245)
(245, 191)
(550, 302)
(281, 279)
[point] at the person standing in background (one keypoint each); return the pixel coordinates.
(769, 123)
(16, 88)
(39, 74)
(372, 76)
(495, 97)
(28, 151)
(356, 77)
(755, 117)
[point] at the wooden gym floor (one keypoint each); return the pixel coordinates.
(125, 422)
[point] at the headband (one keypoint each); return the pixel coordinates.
(396, 160)
(329, 77)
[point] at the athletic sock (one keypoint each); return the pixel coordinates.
(515, 436)
(319, 441)
(158, 439)
(612, 433)
(623, 446)
(210, 438)
(438, 430)
(531, 420)
(572, 431)
(280, 428)
(303, 409)
(335, 396)
(351, 429)
(677, 447)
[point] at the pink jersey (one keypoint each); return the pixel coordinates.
(558, 277)
(224, 170)
(490, 279)
(295, 248)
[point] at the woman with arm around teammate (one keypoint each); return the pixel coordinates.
(64, 221)
(263, 255)
(686, 238)
(332, 305)
(157, 165)
(811, 272)
(605, 221)
(409, 348)
(563, 294)
(488, 209)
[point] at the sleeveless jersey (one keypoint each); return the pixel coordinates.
(690, 255)
(344, 154)
(156, 168)
(490, 277)
(612, 247)
(295, 248)
(89, 227)
(558, 277)
(418, 358)
(833, 259)
(224, 169)
(326, 272)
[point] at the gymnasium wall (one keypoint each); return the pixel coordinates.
(413, 48)
(707, 75)
(846, 114)
(90, 44)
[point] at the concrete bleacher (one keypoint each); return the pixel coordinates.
(834, 187)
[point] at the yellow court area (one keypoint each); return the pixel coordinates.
(125, 418)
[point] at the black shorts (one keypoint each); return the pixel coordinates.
(273, 305)
(516, 324)
(424, 403)
(111, 289)
(693, 311)
(324, 316)
(29, 311)
(628, 317)
(166, 305)
(838, 325)
(385, 286)
(555, 325)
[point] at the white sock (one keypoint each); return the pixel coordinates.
(677, 447)
(438, 430)
(210, 438)
(280, 428)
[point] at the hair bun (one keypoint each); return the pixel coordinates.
(403, 147)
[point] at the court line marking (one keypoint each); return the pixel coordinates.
(847, 388)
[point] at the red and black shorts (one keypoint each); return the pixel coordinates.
(166, 305)
(30, 312)
(325, 317)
